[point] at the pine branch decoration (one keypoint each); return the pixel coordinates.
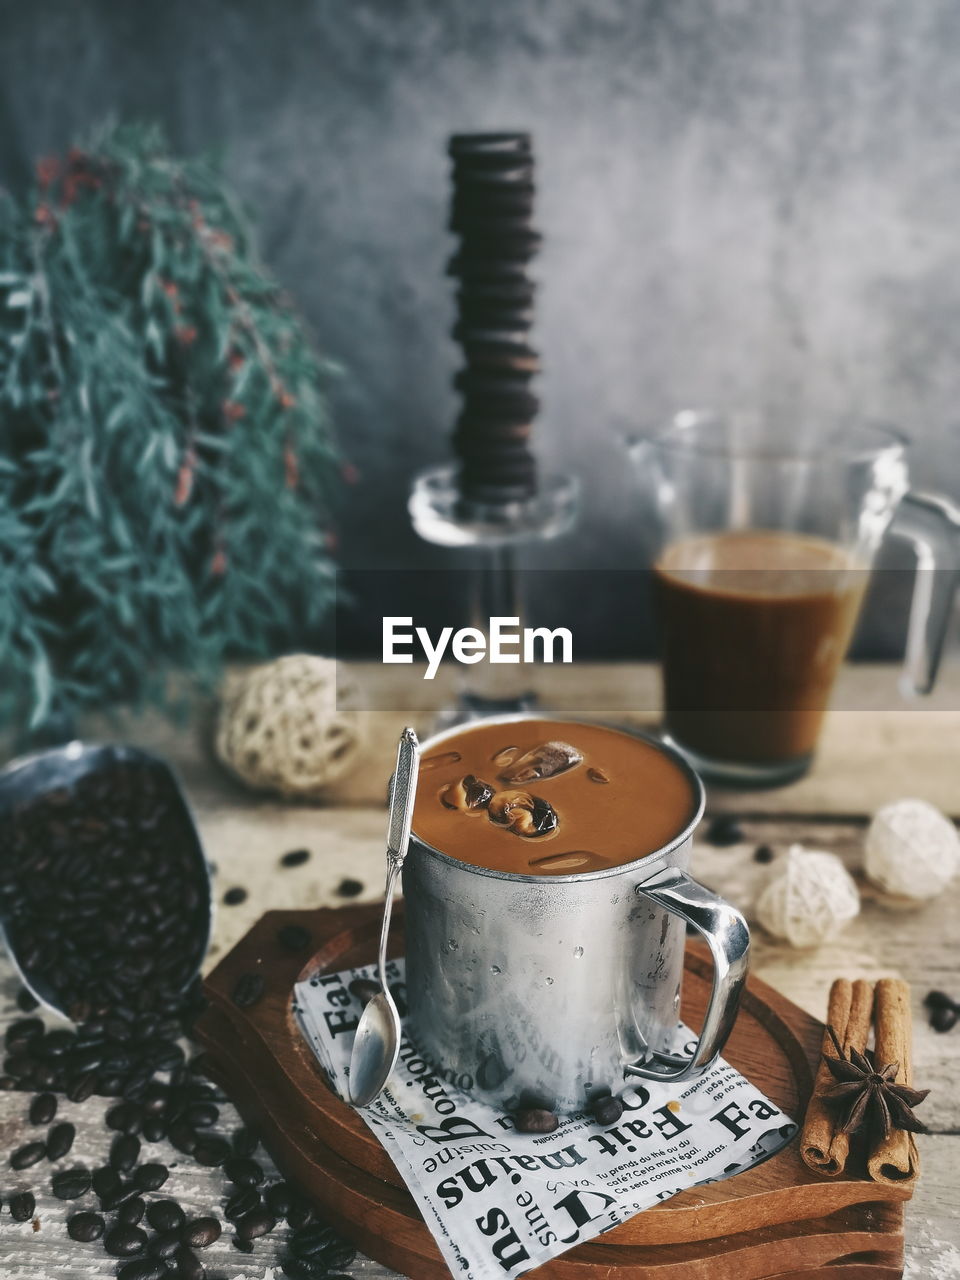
(168, 475)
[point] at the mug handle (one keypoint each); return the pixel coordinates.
(931, 524)
(728, 937)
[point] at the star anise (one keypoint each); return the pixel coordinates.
(870, 1097)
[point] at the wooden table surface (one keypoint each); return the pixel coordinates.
(874, 750)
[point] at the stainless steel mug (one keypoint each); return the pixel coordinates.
(547, 990)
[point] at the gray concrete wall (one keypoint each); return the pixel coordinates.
(743, 201)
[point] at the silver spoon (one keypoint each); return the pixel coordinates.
(377, 1041)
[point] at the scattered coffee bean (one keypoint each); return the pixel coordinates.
(82, 1086)
(248, 990)
(126, 1117)
(243, 1243)
(23, 1206)
(165, 1215)
(939, 1000)
(154, 1129)
(85, 1227)
(105, 1182)
(348, 888)
(241, 1203)
(313, 1240)
(724, 830)
(60, 1140)
(43, 1108)
(200, 1233)
(301, 1213)
(124, 1192)
(293, 937)
(202, 1115)
(340, 1254)
(124, 1242)
(164, 1244)
(244, 1142)
(233, 897)
(763, 853)
(70, 1184)
(535, 1120)
(295, 858)
(143, 1269)
(29, 1154)
(211, 1151)
(124, 1152)
(253, 1225)
(244, 1173)
(364, 989)
(132, 1211)
(27, 1001)
(607, 1110)
(189, 1266)
(279, 1199)
(943, 1019)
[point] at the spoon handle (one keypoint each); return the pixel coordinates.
(402, 795)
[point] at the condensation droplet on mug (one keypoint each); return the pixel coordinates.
(578, 953)
(548, 981)
(453, 944)
(495, 969)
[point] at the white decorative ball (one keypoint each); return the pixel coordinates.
(810, 899)
(289, 726)
(911, 849)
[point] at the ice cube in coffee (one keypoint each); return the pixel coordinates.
(545, 798)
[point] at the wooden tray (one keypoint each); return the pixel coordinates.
(775, 1221)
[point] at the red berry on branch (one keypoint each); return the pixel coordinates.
(186, 333)
(291, 467)
(350, 473)
(232, 410)
(48, 170)
(218, 565)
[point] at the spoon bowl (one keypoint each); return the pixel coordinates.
(375, 1049)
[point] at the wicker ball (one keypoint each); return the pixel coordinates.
(290, 727)
(911, 850)
(809, 900)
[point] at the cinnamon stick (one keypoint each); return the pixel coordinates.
(895, 1159)
(850, 1013)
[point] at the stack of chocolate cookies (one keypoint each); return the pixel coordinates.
(491, 211)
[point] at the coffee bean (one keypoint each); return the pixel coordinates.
(201, 1115)
(211, 1151)
(82, 1086)
(132, 1211)
(607, 1110)
(27, 1001)
(241, 1203)
(248, 990)
(154, 1129)
(244, 1142)
(301, 1213)
(245, 1173)
(724, 830)
(312, 1240)
(763, 853)
(23, 1032)
(124, 1242)
(535, 1120)
(85, 1227)
(125, 1117)
(165, 1244)
(124, 1152)
(279, 1199)
(143, 1269)
(341, 1254)
(183, 1137)
(940, 1019)
(43, 1108)
(189, 1266)
(235, 896)
(22, 1206)
(165, 1215)
(243, 1243)
(939, 1000)
(295, 858)
(258, 1223)
(28, 1155)
(293, 937)
(150, 1177)
(125, 1191)
(200, 1233)
(70, 1184)
(348, 888)
(60, 1140)
(105, 1182)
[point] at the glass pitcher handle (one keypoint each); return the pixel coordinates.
(728, 937)
(932, 526)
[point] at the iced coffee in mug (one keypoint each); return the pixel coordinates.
(765, 551)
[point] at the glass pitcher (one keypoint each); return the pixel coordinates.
(764, 548)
